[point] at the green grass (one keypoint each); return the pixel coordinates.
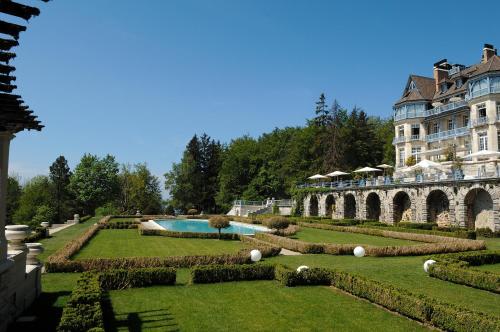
(59, 239)
(327, 236)
(129, 243)
(247, 306)
(403, 272)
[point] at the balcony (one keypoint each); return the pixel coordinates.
(457, 132)
(409, 115)
(481, 121)
(483, 92)
(400, 139)
(445, 108)
(415, 138)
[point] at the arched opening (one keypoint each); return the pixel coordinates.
(438, 208)
(402, 207)
(329, 206)
(349, 206)
(478, 209)
(313, 206)
(373, 207)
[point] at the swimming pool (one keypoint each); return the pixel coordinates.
(201, 226)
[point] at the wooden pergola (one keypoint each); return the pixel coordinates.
(15, 116)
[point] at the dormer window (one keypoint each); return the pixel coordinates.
(444, 87)
(412, 86)
(459, 83)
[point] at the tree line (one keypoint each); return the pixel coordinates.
(211, 175)
(96, 185)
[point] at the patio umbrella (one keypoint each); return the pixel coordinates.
(425, 164)
(384, 167)
(317, 177)
(367, 170)
(484, 154)
(336, 174)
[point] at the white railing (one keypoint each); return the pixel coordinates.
(445, 108)
(409, 115)
(457, 132)
(415, 137)
(399, 139)
(483, 92)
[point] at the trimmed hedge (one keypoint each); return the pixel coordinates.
(120, 225)
(449, 245)
(458, 233)
(37, 234)
(161, 232)
(130, 278)
(444, 316)
(487, 232)
(462, 275)
(455, 268)
(84, 218)
(83, 310)
(224, 273)
(417, 225)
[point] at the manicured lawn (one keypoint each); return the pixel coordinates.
(326, 236)
(247, 306)
(129, 243)
(403, 272)
(60, 238)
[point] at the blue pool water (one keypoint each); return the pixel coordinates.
(201, 226)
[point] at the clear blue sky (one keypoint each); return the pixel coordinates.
(138, 78)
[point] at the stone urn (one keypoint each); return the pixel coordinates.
(45, 224)
(76, 218)
(15, 234)
(34, 249)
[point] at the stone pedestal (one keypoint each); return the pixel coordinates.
(34, 249)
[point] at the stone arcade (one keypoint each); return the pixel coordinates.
(469, 204)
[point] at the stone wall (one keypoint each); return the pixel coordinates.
(449, 203)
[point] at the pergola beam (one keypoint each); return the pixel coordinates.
(11, 29)
(7, 44)
(19, 10)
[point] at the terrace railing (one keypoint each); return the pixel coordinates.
(457, 132)
(480, 121)
(445, 108)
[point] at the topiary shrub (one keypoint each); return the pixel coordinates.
(44, 213)
(224, 273)
(277, 223)
(192, 212)
(219, 222)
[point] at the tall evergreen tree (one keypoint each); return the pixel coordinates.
(60, 175)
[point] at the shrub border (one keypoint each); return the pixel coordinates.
(456, 268)
(435, 244)
(60, 261)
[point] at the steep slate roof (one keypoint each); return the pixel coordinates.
(424, 91)
(14, 116)
(492, 64)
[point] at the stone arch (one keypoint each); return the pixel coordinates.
(329, 205)
(349, 206)
(479, 211)
(438, 208)
(401, 204)
(373, 206)
(313, 206)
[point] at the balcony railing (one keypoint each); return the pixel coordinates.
(399, 139)
(483, 92)
(457, 132)
(445, 108)
(484, 120)
(409, 115)
(415, 138)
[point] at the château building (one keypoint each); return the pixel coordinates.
(454, 113)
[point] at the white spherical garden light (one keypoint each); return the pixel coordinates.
(427, 264)
(359, 251)
(302, 268)
(255, 255)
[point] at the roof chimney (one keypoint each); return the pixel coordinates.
(440, 72)
(488, 52)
